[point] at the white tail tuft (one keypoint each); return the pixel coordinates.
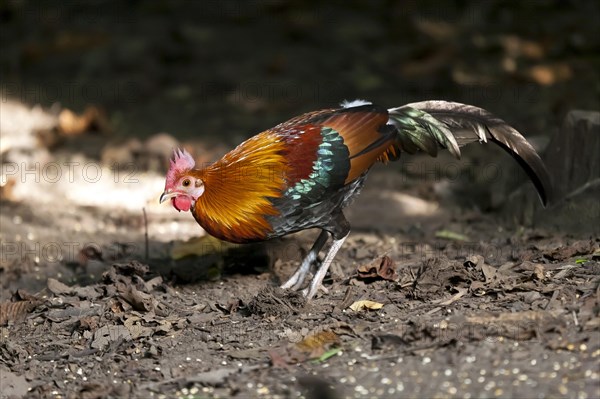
(354, 103)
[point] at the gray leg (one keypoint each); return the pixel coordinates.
(299, 276)
(315, 284)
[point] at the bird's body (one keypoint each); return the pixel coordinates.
(303, 172)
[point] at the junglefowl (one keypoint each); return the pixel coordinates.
(303, 172)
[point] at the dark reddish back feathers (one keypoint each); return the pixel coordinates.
(303, 143)
(362, 128)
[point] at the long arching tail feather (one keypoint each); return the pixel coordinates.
(428, 125)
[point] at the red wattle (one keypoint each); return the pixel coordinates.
(182, 203)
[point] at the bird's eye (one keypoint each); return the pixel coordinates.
(186, 182)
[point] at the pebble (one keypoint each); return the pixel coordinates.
(362, 390)
(263, 390)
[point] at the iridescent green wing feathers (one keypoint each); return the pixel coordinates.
(323, 173)
(334, 147)
(365, 134)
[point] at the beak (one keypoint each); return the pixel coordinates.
(166, 195)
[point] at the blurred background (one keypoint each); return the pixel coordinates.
(212, 70)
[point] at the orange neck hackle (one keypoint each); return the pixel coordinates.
(238, 188)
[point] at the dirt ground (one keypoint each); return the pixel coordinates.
(441, 290)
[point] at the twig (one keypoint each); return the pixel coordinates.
(434, 310)
(420, 271)
(146, 234)
(348, 297)
(552, 299)
(452, 299)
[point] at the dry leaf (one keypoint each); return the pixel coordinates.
(151, 284)
(87, 292)
(117, 305)
(550, 74)
(88, 323)
(105, 335)
(577, 248)
(361, 305)
(58, 288)
(71, 124)
(280, 360)
(565, 271)
(515, 47)
(311, 347)
(136, 329)
(7, 188)
(133, 268)
(139, 300)
(316, 344)
(538, 272)
(12, 311)
(489, 273)
(383, 267)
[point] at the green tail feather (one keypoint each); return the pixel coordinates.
(418, 130)
(428, 125)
